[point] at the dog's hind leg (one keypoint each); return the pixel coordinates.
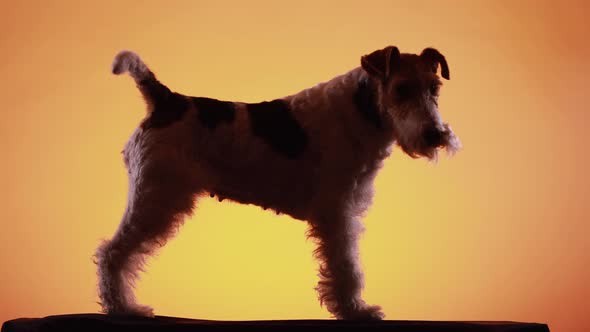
(158, 202)
(341, 276)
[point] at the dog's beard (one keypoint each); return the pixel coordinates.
(417, 147)
(452, 142)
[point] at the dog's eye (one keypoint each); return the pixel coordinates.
(403, 90)
(434, 89)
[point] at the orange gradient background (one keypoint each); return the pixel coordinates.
(499, 232)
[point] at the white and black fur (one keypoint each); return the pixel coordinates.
(313, 156)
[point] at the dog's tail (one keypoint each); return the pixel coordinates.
(152, 90)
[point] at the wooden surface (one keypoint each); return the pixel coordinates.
(104, 323)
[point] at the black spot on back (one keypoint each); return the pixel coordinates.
(273, 122)
(166, 110)
(366, 103)
(212, 112)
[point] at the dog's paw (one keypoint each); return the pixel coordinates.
(367, 312)
(359, 310)
(141, 310)
(132, 310)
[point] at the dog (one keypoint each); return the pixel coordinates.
(312, 155)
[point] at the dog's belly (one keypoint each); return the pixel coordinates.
(284, 186)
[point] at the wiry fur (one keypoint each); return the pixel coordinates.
(321, 172)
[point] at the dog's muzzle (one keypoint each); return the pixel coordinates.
(433, 137)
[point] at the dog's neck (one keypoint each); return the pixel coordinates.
(353, 99)
(331, 95)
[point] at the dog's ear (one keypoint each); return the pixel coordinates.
(432, 58)
(381, 63)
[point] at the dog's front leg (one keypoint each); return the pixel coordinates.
(341, 276)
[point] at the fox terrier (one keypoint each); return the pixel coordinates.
(312, 155)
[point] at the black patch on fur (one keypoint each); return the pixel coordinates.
(273, 122)
(213, 112)
(167, 109)
(366, 104)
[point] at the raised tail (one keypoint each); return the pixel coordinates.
(152, 90)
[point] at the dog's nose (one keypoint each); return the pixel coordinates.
(432, 136)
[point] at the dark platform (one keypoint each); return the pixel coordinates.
(104, 323)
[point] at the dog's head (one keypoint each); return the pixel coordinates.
(406, 90)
